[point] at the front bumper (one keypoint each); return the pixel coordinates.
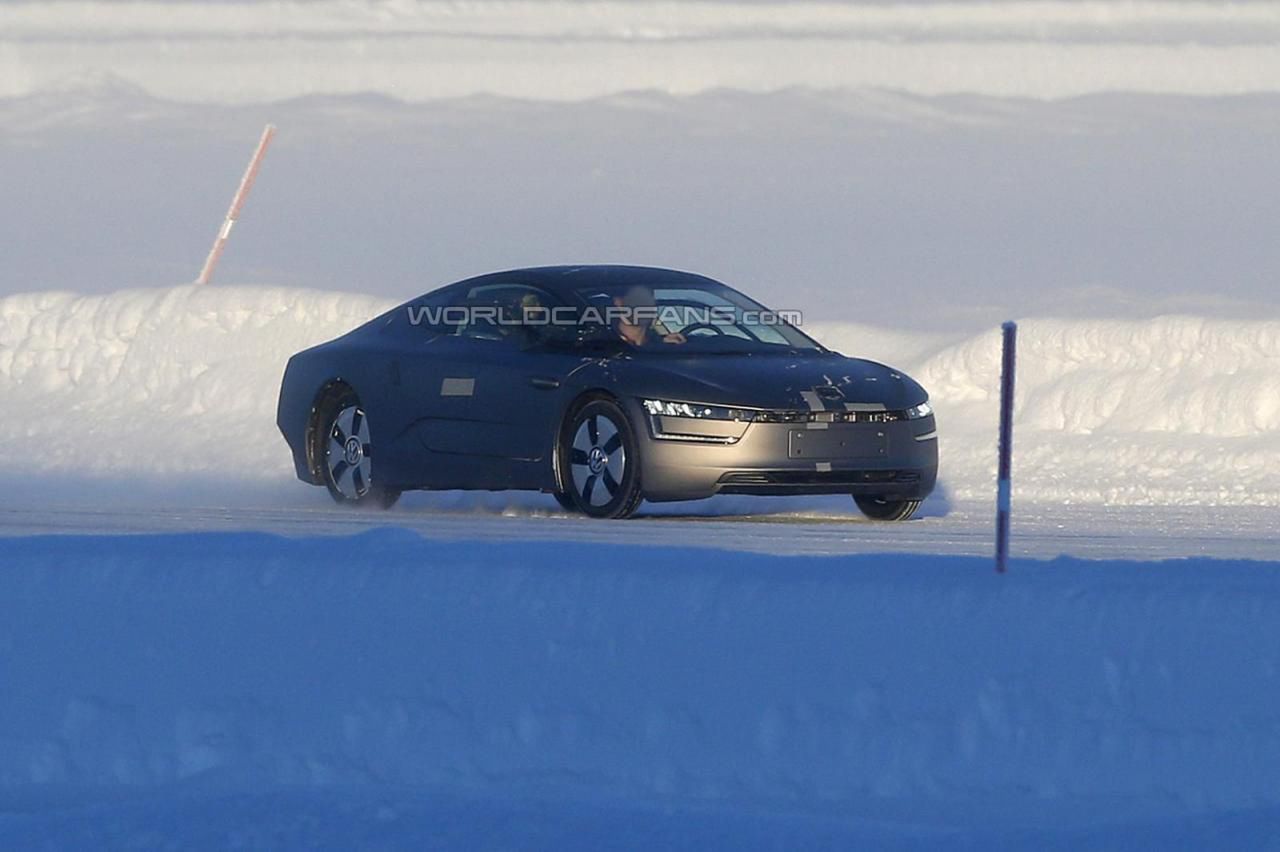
(898, 460)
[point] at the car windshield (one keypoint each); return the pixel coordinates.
(691, 316)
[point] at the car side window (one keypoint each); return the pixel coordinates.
(504, 312)
(428, 316)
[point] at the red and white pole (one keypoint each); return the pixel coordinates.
(242, 192)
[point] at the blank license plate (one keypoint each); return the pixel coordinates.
(859, 442)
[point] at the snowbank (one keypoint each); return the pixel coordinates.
(1171, 410)
(912, 689)
(242, 52)
(156, 383)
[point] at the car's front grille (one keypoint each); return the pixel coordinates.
(798, 416)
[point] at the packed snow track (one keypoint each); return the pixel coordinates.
(782, 526)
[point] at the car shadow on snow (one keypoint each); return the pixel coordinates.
(820, 508)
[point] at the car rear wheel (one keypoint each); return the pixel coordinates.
(882, 509)
(346, 454)
(599, 462)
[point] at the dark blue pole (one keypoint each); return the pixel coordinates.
(1004, 493)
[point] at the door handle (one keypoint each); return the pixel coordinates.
(544, 382)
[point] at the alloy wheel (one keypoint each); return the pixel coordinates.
(597, 460)
(348, 453)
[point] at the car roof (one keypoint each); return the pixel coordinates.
(564, 280)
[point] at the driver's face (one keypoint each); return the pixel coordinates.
(637, 317)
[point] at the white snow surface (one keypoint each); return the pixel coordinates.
(238, 52)
(222, 690)
(158, 382)
(152, 383)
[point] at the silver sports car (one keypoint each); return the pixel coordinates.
(603, 386)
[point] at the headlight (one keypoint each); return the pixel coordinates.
(688, 421)
(916, 412)
(699, 412)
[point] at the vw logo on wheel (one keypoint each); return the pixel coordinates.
(352, 451)
(597, 459)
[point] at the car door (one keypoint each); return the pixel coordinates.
(479, 395)
(518, 393)
(428, 400)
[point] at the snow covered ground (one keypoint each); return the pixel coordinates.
(215, 690)
(735, 673)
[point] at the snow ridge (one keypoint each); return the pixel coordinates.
(1177, 409)
(556, 50)
(653, 20)
(148, 381)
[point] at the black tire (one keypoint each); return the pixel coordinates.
(599, 462)
(882, 509)
(565, 501)
(344, 453)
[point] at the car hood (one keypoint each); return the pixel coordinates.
(770, 381)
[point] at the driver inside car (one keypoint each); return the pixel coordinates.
(638, 326)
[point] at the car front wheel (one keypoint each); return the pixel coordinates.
(346, 455)
(599, 462)
(882, 509)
